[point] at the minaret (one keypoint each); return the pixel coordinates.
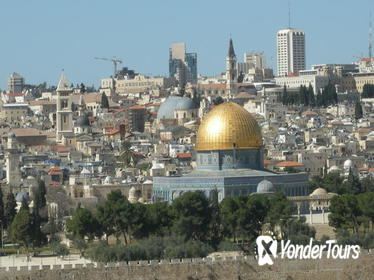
(64, 114)
(13, 174)
(231, 70)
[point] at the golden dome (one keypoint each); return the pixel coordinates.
(226, 126)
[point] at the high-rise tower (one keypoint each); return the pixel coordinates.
(290, 51)
(16, 83)
(231, 70)
(182, 65)
(64, 114)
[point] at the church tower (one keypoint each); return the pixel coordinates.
(64, 114)
(13, 174)
(231, 70)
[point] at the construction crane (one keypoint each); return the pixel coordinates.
(115, 61)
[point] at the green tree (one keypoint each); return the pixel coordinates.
(1, 206)
(127, 157)
(291, 169)
(358, 111)
(193, 214)
(139, 227)
(345, 212)
(280, 212)
(83, 224)
(253, 210)
(298, 231)
(10, 209)
(81, 245)
(40, 201)
(366, 202)
(104, 101)
(315, 182)
(303, 96)
(319, 99)
(114, 215)
(368, 91)
(285, 96)
(333, 182)
(39, 214)
(240, 77)
(61, 250)
(311, 98)
(38, 237)
(25, 204)
(367, 184)
(82, 88)
(216, 230)
(218, 100)
(21, 229)
(229, 208)
(160, 218)
(2, 214)
(353, 184)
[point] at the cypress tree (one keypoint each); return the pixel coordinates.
(2, 221)
(284, 95)
(25, 205)
(10, 209)
(104, 101)
(358, 111)
(311, 99)
(1, 206)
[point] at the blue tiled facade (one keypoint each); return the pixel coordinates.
(230, 183)
(230, 159)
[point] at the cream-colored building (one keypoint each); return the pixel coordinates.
(363, 78)
(92, 101)
(295, 81)
(43, 106)
(138, 84)
(14, 111)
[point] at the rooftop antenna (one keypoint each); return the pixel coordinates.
(289, 15)
(370, 37)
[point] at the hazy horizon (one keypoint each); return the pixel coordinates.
(42, 37)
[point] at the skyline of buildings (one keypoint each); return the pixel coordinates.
(291, 59)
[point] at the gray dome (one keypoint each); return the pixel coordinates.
(173, 103)
(82, 121)
(265, 186)
(21, 196)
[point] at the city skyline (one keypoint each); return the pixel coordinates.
(56, 36)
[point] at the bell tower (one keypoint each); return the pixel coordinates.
(13, 174)
(64, 114)
(231, 69)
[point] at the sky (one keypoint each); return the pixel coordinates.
(39, 38)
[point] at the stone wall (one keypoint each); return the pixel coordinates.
(199, 269)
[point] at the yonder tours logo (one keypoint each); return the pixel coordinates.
(267, 250)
